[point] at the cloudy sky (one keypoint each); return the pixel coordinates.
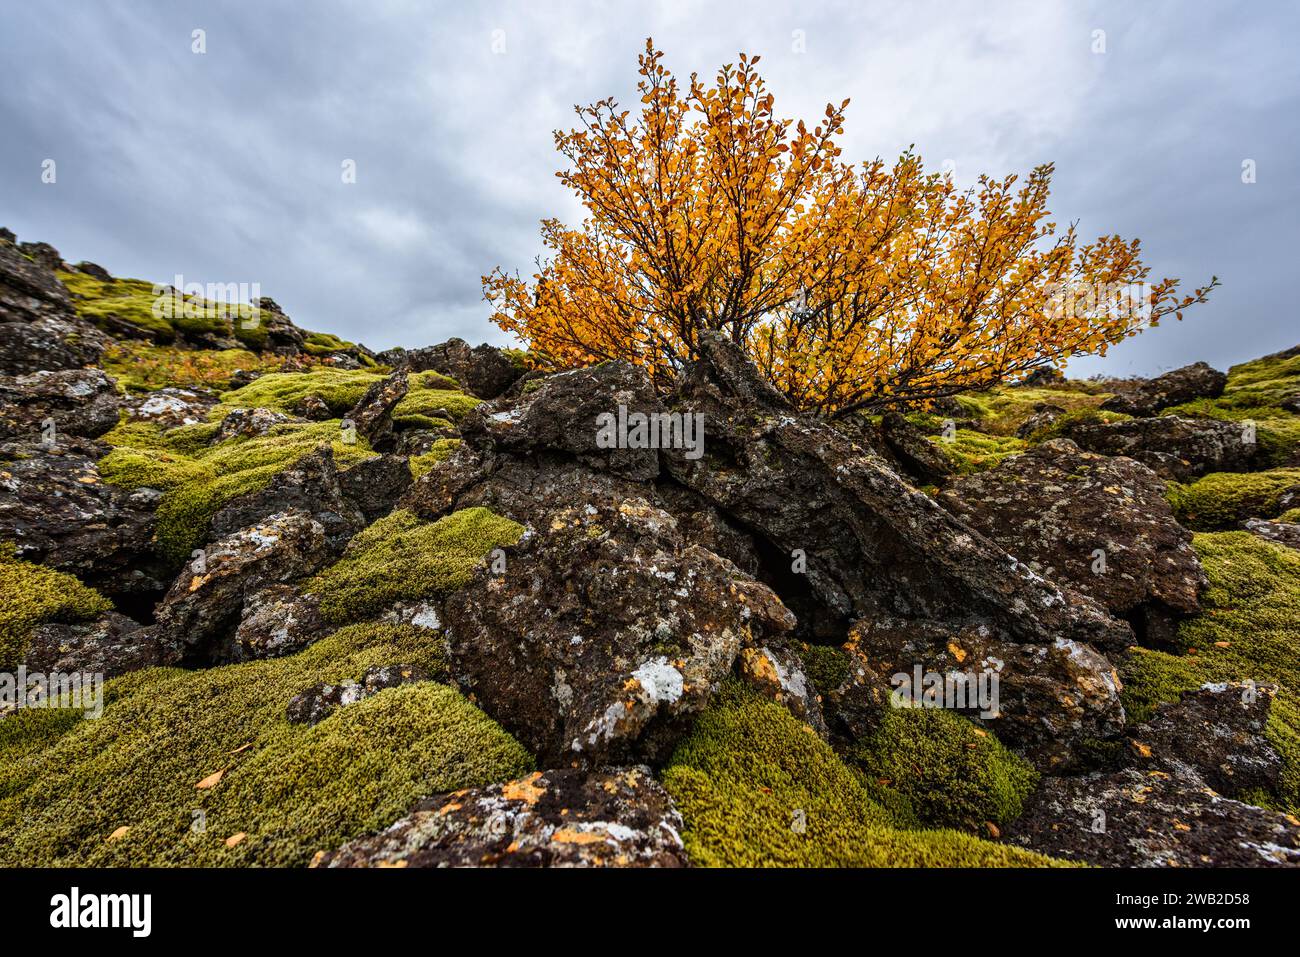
(226, 166)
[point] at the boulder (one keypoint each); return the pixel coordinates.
(249, 423)
(170, 407)
(1133, 818)
(110, 646)
(314, 408)
(320, 701)
(483, 371)
(568, 817)
(918, 456)
(310, 486)
(1283, 533)
(43, 405)
(1097, 524)
(606, 630)
(1196, 381)
(374, 485)
(1044, 416)
(1174, 447)
(1045, 700)
(198, 616)
(372, 415)
(277, 621)
(58, 511)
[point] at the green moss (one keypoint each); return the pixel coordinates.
(400, 557)
(1292, 516)
(199, 480)
(826, 667)
(1224, 500)
(438, 452)
(1249, 629)
(143, 367)
(1001, 411)
(341, 389)
(971, 452)
(435, 403)
(1085, 416)
(133, 301)
(950, 772)
(291, 789)
(1264, 382)
(756, 787)
(32, 595)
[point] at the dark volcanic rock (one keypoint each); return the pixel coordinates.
(1044, 415)
(1132, 818)
(372, 415)
(374, 485)
(1217, 733)
(248, 423)
(1167, 807)
(320, 701)
(1172, 446)
(311, 486)
(607, 630)
(198, 616)
(1098, 524)
(171, 407)
(778, 674)
(277, 621)
(1283, 533)
(1196, 381)
(1050, 698)
(917, 455)
(82, 402)
(59, 512)
(875, 547)
(561, 818)
(483, 371)
(112, 645)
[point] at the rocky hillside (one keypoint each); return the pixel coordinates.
(405, 609)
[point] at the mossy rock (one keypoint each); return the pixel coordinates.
(341, 389)
(134, 301)
(434, 404)
(438, 452)
(971, 452)
(32, 595)
(1002, 410)
(143, 367)
(950, 772)
(757, 788)
(1249, 629)
(197, 479)
(1223, 500)
(400, 557)
(66, 789)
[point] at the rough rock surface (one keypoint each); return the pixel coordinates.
(311, 486)
(1098, 524)
(1044, 415)
(1172, 446)
(374, 485)
(372, 415)
(918, 456)
(248, 423)
(58, 511)
(1133, 818)
(277, 621)
(320, 701)
(1050, 699)
(1196, 381)
(198, 616)
(778, 674)
(608, 631)
(1170, 804)
(111, 646)
(1283, 533)
(561, 818)
(170, 407)
(82, 402)
(483, 371)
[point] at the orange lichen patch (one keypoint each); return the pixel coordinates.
(523, 789)
(448, 808)
(956, 651)
(568, 835)
(1142, 749)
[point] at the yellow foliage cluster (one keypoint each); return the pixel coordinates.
(852, 287)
